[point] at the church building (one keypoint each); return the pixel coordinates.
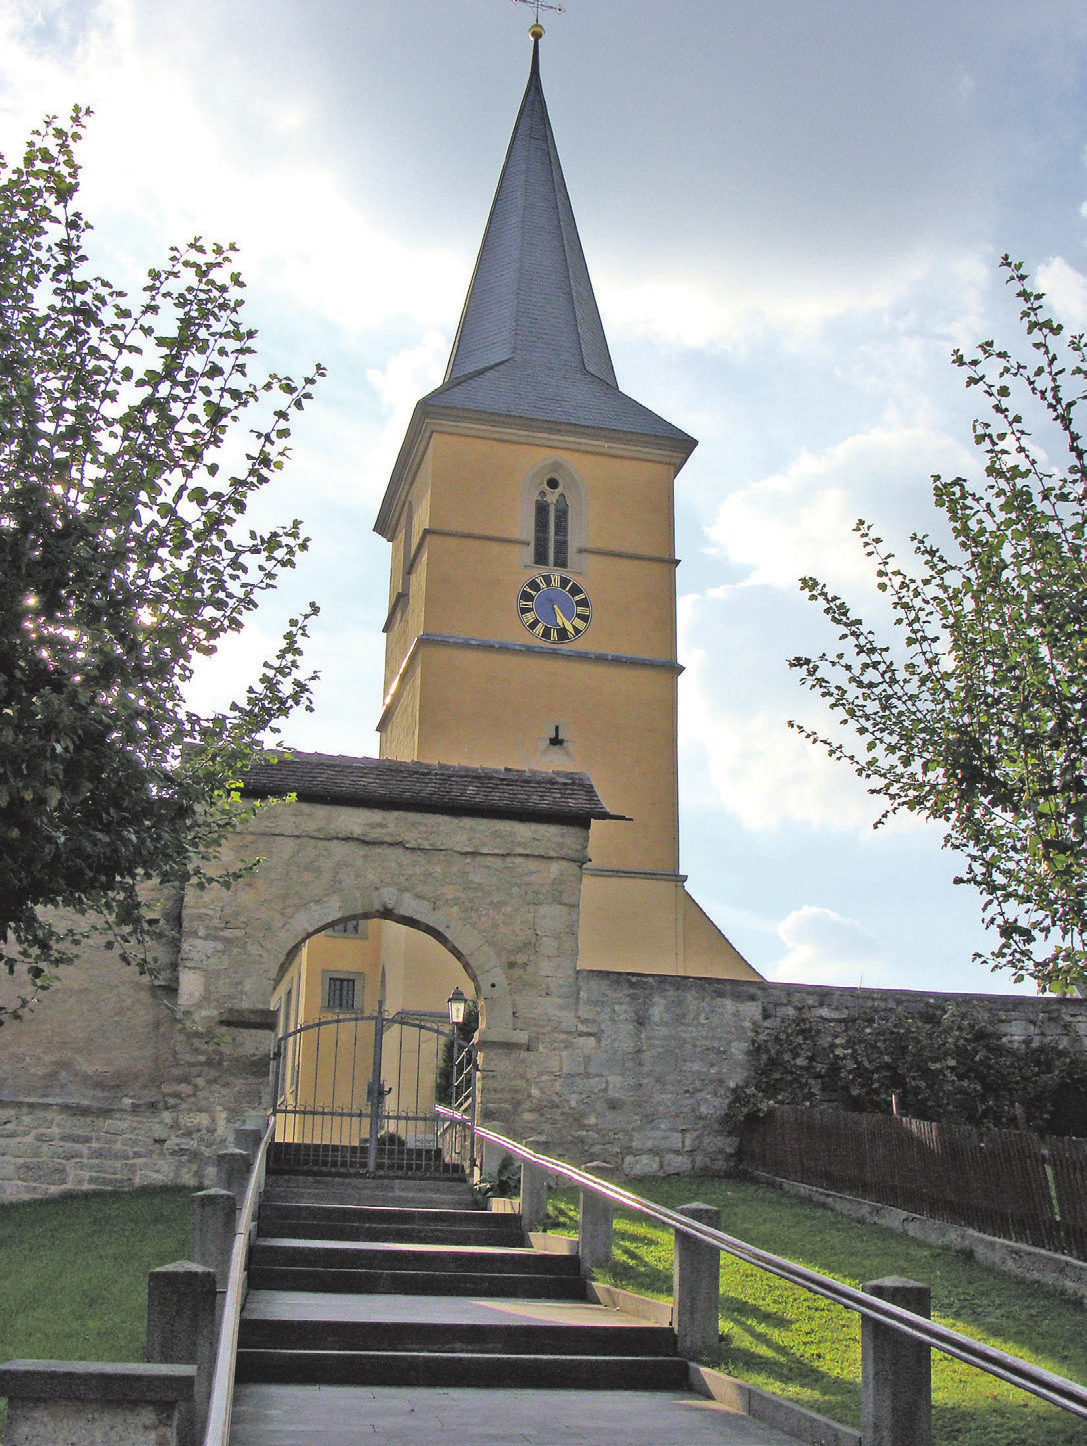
(532, 599)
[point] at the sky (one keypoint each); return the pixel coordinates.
(792, 212)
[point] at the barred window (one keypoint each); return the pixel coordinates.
(340, 993)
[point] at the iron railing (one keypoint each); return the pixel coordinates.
(457, 1134)
(1057, 1390)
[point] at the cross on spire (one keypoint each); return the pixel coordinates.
(539, 5)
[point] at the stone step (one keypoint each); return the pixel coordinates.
(416, 1282)
(443, 1337)
(434, 1259)
(409, 1368)
(274, 1225)
(316, 1212)
(361, 1190)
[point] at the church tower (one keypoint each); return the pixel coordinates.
(532, 613)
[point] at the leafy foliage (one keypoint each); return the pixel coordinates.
(943, 1062)
(978, 719)
(122, 487)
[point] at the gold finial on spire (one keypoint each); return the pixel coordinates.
(536, 30)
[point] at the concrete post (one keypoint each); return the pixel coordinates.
(594, 1222)
(493, 1154)
(232, 1173)
(213, 1222)
(181, 1331)
(533, 1190)
(896, 1371)
(248, 1138)
(696, 1287)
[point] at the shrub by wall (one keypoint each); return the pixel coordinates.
(937, 1062)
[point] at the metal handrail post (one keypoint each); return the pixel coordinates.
(1047, 1385)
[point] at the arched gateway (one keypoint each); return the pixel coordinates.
(487, 862)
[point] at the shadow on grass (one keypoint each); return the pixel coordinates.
(801, 1347)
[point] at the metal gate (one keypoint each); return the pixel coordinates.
(356, 1093)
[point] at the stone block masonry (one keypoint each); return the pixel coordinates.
(644, 1082)
(119, 1080)
(55, 1146)
(631, 1069)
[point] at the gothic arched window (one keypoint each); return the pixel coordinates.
(551, 526)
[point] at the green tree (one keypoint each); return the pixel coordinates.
(976, 715)
(123, 484)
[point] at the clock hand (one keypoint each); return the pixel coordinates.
(567, 623)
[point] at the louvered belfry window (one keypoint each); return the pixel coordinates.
(551, 526)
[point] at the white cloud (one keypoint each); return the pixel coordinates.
(407, 376)
(713, 306)
(161, 164)
(826, 948)
(764, 774)
(799, 521)
(1065, 289)
(346, 693)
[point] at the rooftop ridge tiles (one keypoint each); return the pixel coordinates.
(441, 787)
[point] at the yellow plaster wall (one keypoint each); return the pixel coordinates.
(706, 951)
(630, 925)
(498, 708)
(329, 1073)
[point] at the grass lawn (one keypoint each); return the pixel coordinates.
(73, 1272)
(785, 1340)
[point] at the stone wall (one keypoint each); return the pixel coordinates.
(644, 1083)
(48, 1147)
(121, 1080)
(1015, 1016)
(103, 1085)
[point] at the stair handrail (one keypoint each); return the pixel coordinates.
(217, 1431)
(1057, 1390)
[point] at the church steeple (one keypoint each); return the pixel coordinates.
(532, 597)
(530, 296)
(530, 349)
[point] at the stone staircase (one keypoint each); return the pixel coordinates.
(356, 1282)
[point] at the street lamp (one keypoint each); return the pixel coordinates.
(457, 1003)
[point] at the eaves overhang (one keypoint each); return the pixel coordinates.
(430, 417)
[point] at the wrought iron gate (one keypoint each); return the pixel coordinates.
(356, 1093)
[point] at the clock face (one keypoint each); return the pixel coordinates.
(554, 607)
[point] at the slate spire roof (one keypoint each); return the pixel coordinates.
(530, 341)
(530, 346)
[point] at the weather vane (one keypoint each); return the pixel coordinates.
(539, 5)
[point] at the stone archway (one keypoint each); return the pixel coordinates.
(488, 862)
(385, 901)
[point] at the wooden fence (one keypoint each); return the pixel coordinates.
(1007, 1183)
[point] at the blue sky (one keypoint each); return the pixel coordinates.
(792, 211)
